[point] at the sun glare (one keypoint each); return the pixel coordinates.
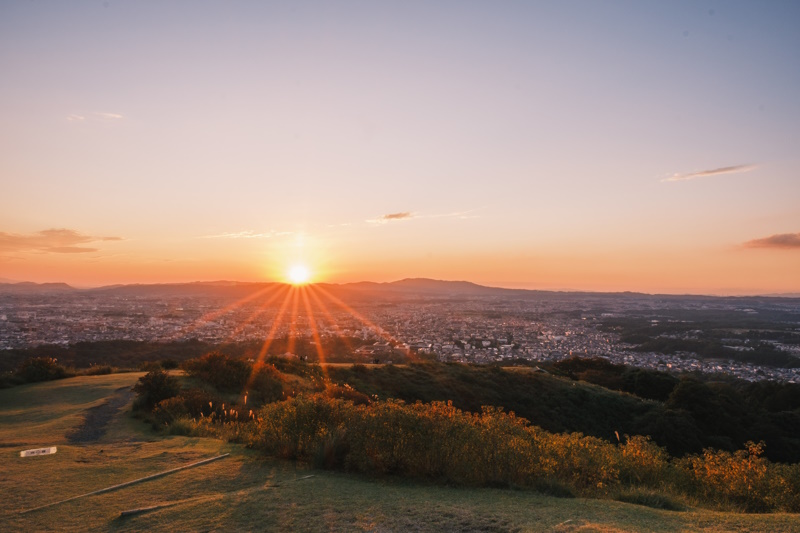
(299, 274)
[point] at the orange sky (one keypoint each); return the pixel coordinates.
(613, 147)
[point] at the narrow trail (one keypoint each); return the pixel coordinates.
(97, 418)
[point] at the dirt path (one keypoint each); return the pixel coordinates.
(97, 418)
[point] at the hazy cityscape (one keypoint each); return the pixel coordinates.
(450, 327)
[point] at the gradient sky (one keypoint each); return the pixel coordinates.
(646, 146)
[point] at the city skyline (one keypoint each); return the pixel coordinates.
(568, 146)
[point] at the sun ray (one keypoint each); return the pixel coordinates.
(290, 341)
(314, 331)
(276, 322)
(379, 330)
(330, 318)
(255, 314)
(208, 317)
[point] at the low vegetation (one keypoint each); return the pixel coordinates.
(685, 415)
(248, 492)
(132, 354)
(36, 369)
(286, 408)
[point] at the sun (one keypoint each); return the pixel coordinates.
(299, 275)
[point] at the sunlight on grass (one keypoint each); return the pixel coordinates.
(247, 492)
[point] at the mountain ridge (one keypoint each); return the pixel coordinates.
(407, 286)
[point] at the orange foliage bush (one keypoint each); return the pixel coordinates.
(495, 448)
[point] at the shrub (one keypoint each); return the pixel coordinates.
(199, 402)
(149, 366)
(99, 370)
(182, 426)
(7, 380)
(643, 462)
(496, 448)
(225, 373)
(169, 364)
(742, 479)
(295, 428)
(154, 387)
(434, 441)
(346, 392)
(265, 384)
(41, 369)
(169, 410)
(333, 451)
(587, 463)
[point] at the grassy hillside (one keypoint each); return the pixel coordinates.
(552, 403)
(690, 415)
(245, 492)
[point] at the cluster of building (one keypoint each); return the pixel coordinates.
(474, 330)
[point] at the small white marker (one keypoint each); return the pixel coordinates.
(38, 451)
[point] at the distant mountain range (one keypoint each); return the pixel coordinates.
(403, 289)
(28, 287)
(418, 286)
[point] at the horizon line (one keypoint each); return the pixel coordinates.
(515, 287)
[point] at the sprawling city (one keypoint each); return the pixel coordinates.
(496, 326)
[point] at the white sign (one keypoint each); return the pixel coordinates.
(38, 451)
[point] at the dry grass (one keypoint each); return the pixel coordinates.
(244, 492)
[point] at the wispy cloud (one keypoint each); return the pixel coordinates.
(397, 216)
(736, 169)
(392, 217)
(109, 116)
(408, 215)
(248, 234)
(779, 240)
(59, 241)
(94, 116)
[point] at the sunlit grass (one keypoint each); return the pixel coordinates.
(246, 492)
(42, 413)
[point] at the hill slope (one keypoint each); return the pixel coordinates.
(243, 492)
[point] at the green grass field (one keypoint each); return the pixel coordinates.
(247, 492)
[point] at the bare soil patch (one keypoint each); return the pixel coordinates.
(97, 418)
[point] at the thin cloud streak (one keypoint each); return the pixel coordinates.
(59, 241)
(391, 217)
(109, 116)
(397, 216)
(94, 116)
(736, 169)
(408, 215)
(248, 234)
(786, 241)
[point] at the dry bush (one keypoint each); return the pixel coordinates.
(494, 448)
